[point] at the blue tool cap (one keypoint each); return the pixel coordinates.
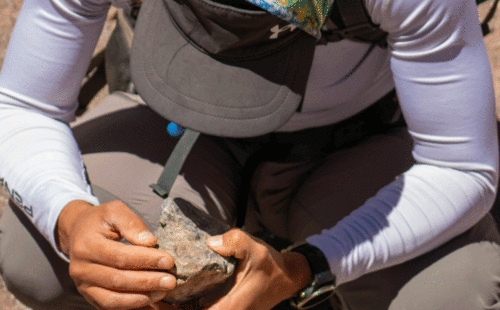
(175, 130)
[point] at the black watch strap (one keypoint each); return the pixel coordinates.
(317, 260)
(323, 281)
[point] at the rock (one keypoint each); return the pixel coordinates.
(182, 232)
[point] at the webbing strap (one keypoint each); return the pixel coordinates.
(485, 27)
(350, 12)
(175, 163)
(350, 20)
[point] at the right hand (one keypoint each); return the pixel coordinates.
(108, 273)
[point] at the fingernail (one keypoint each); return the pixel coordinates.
(215, 241)
(144, 235)
(157, 296)
(166, 283)
(164, 263)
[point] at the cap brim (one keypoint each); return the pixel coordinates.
(223, 98)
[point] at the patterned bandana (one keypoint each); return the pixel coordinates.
(308, 15)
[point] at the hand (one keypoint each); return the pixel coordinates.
(108, 273)
(264, 276)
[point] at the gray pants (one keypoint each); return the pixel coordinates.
(125, 146)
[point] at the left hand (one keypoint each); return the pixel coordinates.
(264, 276)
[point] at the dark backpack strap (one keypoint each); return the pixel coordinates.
(485, 27)
(175, 163)
(349, 20)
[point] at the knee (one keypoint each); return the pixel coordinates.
(27, 284)
(23, 266)
(468, 278)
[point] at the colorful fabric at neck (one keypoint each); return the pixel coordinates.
(309, 15)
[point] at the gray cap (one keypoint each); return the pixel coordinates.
(226, 70)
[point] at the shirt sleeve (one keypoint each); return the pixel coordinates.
(444, 84)
(48, 55)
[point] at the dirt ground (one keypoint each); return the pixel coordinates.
(9, 10)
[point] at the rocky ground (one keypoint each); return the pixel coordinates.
(9, 10)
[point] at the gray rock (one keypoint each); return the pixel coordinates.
(183, 231)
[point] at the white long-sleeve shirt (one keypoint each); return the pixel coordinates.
(436, 60)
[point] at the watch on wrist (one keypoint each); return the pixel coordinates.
(322, 285)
